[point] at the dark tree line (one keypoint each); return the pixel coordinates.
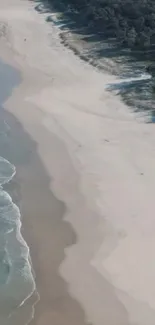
(130, 22)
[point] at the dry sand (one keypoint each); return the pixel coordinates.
(92, 251)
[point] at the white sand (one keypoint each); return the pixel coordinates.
(115, 223)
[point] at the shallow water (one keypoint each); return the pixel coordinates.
(16, 280)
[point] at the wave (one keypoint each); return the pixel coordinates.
(7, 171)
(16, 280)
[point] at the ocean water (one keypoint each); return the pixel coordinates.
(16, 279)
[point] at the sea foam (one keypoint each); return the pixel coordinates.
(16, 280)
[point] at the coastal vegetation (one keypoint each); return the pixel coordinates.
(131, 23)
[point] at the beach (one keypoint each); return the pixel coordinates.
(84, 182)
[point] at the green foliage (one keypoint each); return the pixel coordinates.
(131, 22)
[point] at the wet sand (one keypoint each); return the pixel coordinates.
(44, 229)
(42, 214)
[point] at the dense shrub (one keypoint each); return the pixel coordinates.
(131, 22)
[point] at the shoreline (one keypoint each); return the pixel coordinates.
(15, 262)
(67, 306)
(31, 173)
(89, 152)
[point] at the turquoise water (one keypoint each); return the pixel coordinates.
(16, 279)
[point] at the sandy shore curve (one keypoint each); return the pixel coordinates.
(100, 162)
